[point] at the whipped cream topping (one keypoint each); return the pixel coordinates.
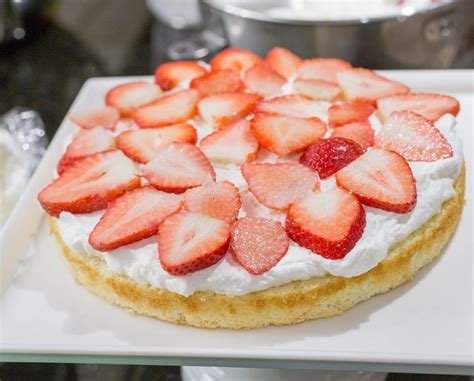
(139, 261)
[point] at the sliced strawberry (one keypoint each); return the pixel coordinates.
(279, 185)
(323, 68)
(218, 81)
(141, 145)
(382, 179)
(133, 217)
(235, 59)
(345, 113)
(363, 85)
(328, 223)
(414, 137)
(224, 108)
(189, 242)
(431, 106)
(317, 89)
(89, 184)
(263, 80)
(283, 61)
(328, 156)
(360, 132)
(171, 74)
(177, 167)
(85, 143)
(232, 144)
(175, 108)
(218, 200)
(258, 244)
(285, 134)
(129, 96)
(291, 105)
(106, 117)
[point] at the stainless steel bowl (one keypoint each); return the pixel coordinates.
(429, 38)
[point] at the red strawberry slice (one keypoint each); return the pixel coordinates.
(220, 109)
(283, 61)
(141, 145)
(317, 89)
(263, 80)
(133, 217)
(328, 223)
(382, 179)
(177, 167)
(328, 156)
(106, 117)
(89, 184)
(431, 106)
(85, 143)
(323, 68)
(218, 81)
(360, 132)
(171, 109)
(129, 96)
(279, 185)
(285, 134)
(218, 200)
(258, 244)
(291, 105)
(189, 242)
(232, 144)
(171, 74)
(414, 137)
(363, 85)
(345, 113)
(235, 59)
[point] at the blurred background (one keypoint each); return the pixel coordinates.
(48, 48)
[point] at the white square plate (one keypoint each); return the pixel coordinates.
(426, 325)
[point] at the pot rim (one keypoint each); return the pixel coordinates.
(258, 16)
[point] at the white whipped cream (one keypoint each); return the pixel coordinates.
(139, 261)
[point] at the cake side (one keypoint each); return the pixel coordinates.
(294, 302)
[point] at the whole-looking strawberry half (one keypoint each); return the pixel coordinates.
(219, 200)
(279, 185)
(106, 117)
(413, 137)
(283, 61)
(90, 184)
(141, 145)
(171, 74)
(132, 217)
(235, 59)
(130, 96)
(363, 85)
(177, 167)
(171, 109)
(328, 223)
(218, 81)
(263, 80)
(360, 132)
(189, 242)
(232, 144)
(431, 106)
(283, 135)
(328, 156)
(258, 244)
(341, 114)
(322, 68)
(220, 109)
(85, 143)
(382, 179)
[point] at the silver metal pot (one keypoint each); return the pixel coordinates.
(429, 38)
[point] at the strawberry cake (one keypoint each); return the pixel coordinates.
(250, 192)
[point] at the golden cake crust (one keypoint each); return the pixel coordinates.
(291, 303)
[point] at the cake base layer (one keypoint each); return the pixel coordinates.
(295, 302)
